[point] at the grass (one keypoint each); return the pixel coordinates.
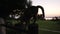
(50, 25)
(47, 32)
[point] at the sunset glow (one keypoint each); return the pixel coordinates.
(51, 7)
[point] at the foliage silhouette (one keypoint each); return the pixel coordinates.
(31, 12)
(7, 6)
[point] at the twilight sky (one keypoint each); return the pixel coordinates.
(51, 7)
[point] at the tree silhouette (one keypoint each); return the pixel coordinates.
(31, 12)
(20, 5)
(43, 14)
(7, 6)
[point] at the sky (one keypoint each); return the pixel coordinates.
(51, 7)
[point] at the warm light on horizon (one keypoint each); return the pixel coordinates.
(51, 7)
(39, 12)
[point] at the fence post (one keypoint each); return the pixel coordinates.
(2, 28)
